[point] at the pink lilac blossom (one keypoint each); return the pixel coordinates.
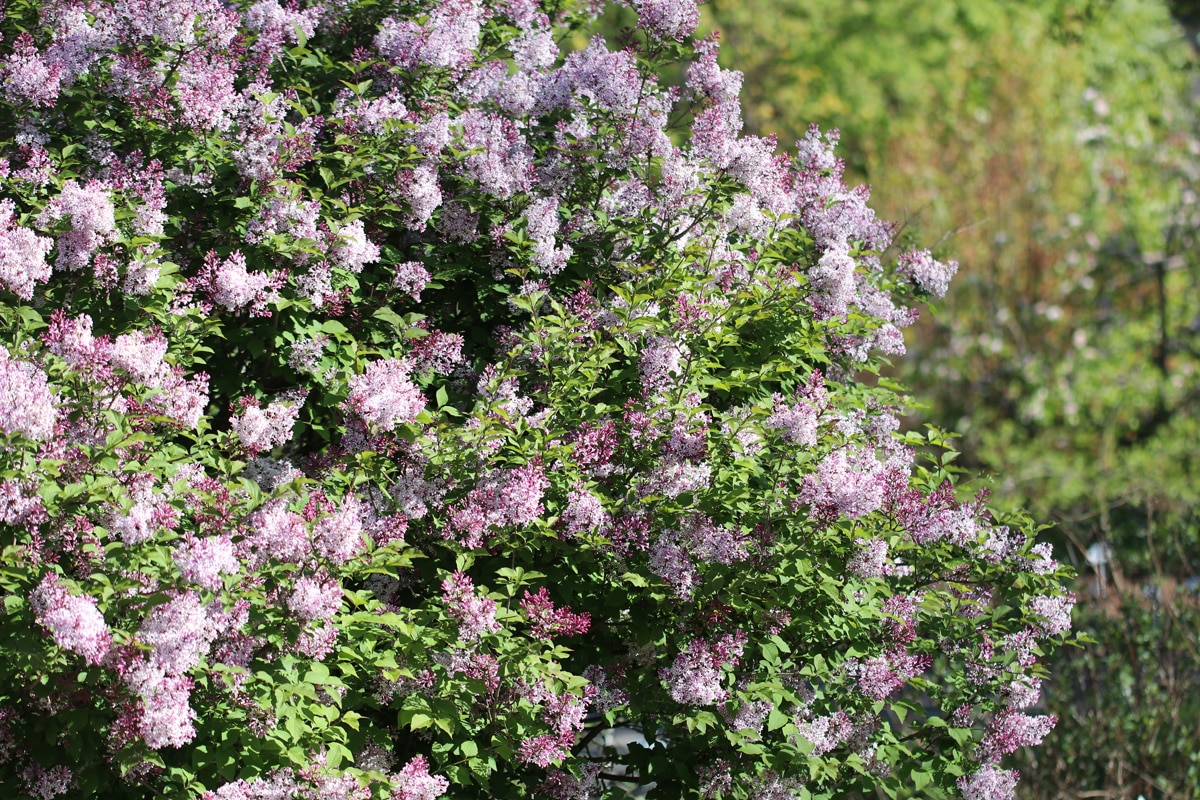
(338, 535)
(879, 677)
(26, 405)
(205, 92)
(671, 562)
(45, 783)
(871, 559)
(697, 674)
(499, 157)
(476, 615)
(275, 24)
(447, 40)
(419, 188)
(140, 354)
(71, 339)
(20, 503)
(278, 533)
(583, 513)
(1055, 611)
(825, 733)
(549, 621)
(661, 361)
(903, 612)
(543, 750)
(182, 399)
(560, 785)
(279, 785)
(261, 429)
(287, 216)
(178, 632)
(673, 477)
(542, 224)
(833, 279)
(136, 525)
(505, 497)
(606, 693)
(93, 223)
(26, 75)
(314, 599)
(204, 561)
(414, 782)
(373, 116)
(846, 484)
(317, 643)
(22, 254)
(437, 351)
(411, 278)
(667, 19)
(989, 783)
(165, 716)
(1011, 730)
(1041, 560)
(711, 543)
(750, 715)
(305, 355)
(234, 288)
(74, 621)
(354, 250)
(384, 396)
(1023, 692)
(927, 272)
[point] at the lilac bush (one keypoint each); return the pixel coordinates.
(395, 399)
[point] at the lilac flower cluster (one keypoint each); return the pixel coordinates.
(22, 254)
(476, 615)
(697, 675)
(26, 405)
(74, 621)
(384, 396)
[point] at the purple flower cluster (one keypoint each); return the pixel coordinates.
(384, 396)
(476, 615)
(74, 621)
(26, 405)
(22, 254)
(697, 675)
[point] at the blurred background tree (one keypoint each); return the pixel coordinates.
(1051, 147)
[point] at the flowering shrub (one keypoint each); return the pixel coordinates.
(394, 402)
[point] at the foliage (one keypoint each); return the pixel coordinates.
(390, 409)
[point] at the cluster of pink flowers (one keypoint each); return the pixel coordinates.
(697, 675)
(26, 405)
(548, 620)
(204, 561)
(988, 783)
(825, 732)
(881, 676)
(74, 621)
(230, 285)
(846, 484)
(1010, 730)
(414, 782)
(22, 254)
(503, 498)
(476, 615)
(384, 396)
(261, 429)
(92, 221)
(927, 272)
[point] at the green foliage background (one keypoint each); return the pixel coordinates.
(1049, 146)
